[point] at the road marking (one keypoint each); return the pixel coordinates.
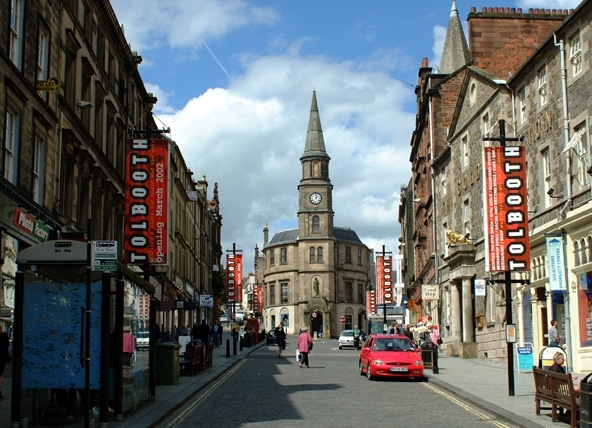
(485, 417)
(183, 415)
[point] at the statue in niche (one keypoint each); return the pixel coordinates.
(315, 286)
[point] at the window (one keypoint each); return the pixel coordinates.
(284, 286)
(272, 257)
(467, 216)
(43, 58)
(320, 254)
(17, 31)
(465, 150)
(522, 96)
(485, 124)
(348, 258)
(360, 260)
(272, 294)
(580, 158)
(575, 53)
(543, 90)
(11, 146)
(316, 225)
(283, 256)
(360, 293)
(473, 94)
(443, 185)
(546, 175)
(312, 256)
(38, 171)
(349, 292)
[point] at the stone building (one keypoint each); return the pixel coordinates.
(318, 274)
(457, 106)
(70, 96)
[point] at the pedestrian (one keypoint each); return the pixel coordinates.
(401, 329)
(393, 329)
(305, 343)
(435, 336)
(357, 334)
(203, 332)
(280, 334)
(554, 338)
(4, 355)
(195, 332)
(320, 332)
(217, 333)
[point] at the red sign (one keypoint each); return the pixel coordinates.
(343, 319)
(384, 279)
(506, 209)
(371, 301)
(234, 278)
(146, 202)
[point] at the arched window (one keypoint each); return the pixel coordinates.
(577, 252)
(312, 255)
(316, 224)
(319, 254)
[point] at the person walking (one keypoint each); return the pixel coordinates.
(357, 334)
(4, 355)
(217, 333)
(554, 338)
(305, 343)
(280, 334)
(203, 332)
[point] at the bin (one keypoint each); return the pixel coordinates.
(427, 355)
(586, 402)
(167, 363)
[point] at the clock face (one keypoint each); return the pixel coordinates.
(316, 198)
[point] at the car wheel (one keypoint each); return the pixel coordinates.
(340, 348)
(361, 369)
(369, 373)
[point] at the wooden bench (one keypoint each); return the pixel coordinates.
(558, 390)
(191, 361)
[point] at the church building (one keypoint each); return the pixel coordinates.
(315, 276)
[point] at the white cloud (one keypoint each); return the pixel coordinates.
(548, 4)
(250, 136)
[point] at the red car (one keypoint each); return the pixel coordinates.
(390, 355)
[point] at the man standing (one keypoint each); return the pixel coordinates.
(203, 332)
(554, 338)
(217, 333)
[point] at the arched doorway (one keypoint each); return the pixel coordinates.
(316, 323)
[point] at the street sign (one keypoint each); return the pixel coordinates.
(206, 300)
(104, 256)
(343, 319)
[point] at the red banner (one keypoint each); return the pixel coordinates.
(384, 279)
(506, 209)
(234, 278)
(258, 298)
(146, 202)
(370, 302)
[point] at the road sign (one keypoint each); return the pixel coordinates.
(104, 255)
(343, 319)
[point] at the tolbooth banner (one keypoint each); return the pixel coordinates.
(146, 202)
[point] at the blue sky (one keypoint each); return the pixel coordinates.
(234, 80)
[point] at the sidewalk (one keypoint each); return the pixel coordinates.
(485, 384)
(168, 397)
(480, 382)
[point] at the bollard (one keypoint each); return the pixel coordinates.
(241, 344)
(435, 369)
(227, 348)
(234, 345)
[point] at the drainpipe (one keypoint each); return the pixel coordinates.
(568, 189)
(433, 184)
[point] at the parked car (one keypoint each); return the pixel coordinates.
(346, 339)
(271, 339)
(142, 340)
(390, 355)
(224, 318)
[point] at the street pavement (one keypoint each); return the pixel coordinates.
(482, 383)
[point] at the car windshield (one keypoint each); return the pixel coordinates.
(143, 335)
(388, 344)
(347, 333)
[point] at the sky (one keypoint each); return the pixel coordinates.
(234, 81)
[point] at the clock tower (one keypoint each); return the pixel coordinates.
(315, 213)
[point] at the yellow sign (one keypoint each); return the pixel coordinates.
(52, 84)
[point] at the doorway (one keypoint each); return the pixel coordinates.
(316, 324)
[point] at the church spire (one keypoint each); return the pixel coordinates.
(315, 144)
(456, 50)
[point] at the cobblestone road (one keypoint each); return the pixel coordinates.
(264, 390)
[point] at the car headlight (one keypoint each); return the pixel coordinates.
(418, 363)
(377, 362)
